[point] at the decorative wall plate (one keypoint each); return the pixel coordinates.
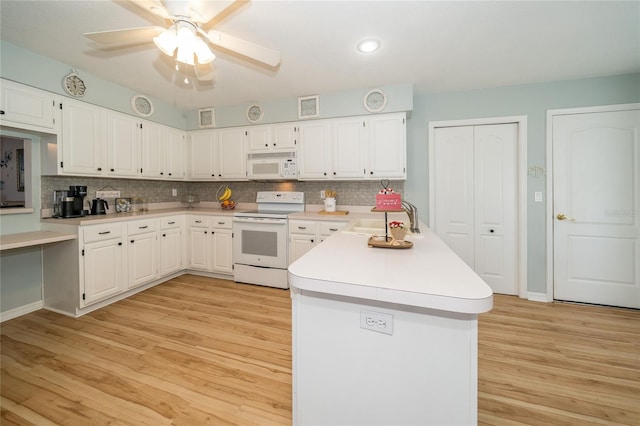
(73, 84)
(141, 105)
(308, 106)
(207, 117)
(375, 100)
(255, 113)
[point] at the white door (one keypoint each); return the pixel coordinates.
(103, 270)
(170, 251)
(143, 259)
(123, 144)
(313, 151)
(476, 199)
(596, 207)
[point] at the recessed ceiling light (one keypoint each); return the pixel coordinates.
(368, 45)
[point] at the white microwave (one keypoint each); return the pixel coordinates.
(272, 165)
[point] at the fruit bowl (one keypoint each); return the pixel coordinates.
(227, 204)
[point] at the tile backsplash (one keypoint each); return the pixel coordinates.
(353, 193)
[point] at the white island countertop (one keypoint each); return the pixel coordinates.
(428, 275)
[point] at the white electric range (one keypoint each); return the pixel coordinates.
(261, 239)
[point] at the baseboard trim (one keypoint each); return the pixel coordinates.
(21, 310)
(537, 297)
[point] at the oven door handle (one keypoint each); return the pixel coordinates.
(261, 221)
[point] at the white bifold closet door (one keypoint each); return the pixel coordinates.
(476, 199)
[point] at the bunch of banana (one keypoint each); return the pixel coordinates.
(225, 195)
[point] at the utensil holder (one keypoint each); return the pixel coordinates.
(330, 204)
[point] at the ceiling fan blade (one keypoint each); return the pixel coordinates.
(153, 6)
(203, 11)
(245, 48)
(125, 36)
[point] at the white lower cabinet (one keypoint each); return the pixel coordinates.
(210, 243)
(142, 252)
(306, 234)
(171, 245)
(102, 262)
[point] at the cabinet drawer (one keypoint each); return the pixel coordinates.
(198, 221)
(171, 222)
(221, 222)
(329, 228)
(102, 232)
(141, 226)
(302, 227)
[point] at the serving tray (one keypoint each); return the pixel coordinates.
(389, 243)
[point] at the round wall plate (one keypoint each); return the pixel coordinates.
(375, 100)
(141, 105)
(255, 113)
(74, 85)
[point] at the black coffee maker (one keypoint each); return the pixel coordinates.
(78, 192)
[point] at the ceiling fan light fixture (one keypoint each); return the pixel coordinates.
(368, 45)
(167, 41)
(185, 54)
(202, 51)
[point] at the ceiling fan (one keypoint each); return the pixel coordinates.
(186, 40)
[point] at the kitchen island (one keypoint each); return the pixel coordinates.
(385, 336)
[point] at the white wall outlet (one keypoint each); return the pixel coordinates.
(107, 194)
(174, 192)
(376, 321)
(322, 194)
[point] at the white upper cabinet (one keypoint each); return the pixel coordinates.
(154, 149)
(123, 144)
(349, 148)
(24, 105)
(83, 139)
(367, 147)
(271, 137)
(218, 154)
(314, 150)
(230, 161)
(387, 146)
(176, 154)
(201, 154)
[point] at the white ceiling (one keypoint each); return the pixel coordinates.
(438, 46)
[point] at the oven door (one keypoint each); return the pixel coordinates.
(260, 242)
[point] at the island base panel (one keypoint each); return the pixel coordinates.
(424, 373)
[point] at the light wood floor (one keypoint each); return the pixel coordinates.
(197, 351)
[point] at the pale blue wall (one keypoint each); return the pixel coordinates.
(532, 101)
(35, 70)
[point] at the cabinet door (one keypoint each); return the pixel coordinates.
(313, 151)
(231, 159)
(142, 257)
(201, 155)
(83, 139)
(349, 148)
(154, 149)
(221, 249)
(176, 154)
(123, 144)
(387, 147)
(199, 248)
(103, 270)
(300, 244)
(23, 104)
(284, 136)
(170, 251)
(259, 138)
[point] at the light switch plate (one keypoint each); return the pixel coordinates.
(537, 197)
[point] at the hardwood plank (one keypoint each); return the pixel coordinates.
(200, 351)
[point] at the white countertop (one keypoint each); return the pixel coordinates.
(428, 275)
(118, 217)
(34, 238)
